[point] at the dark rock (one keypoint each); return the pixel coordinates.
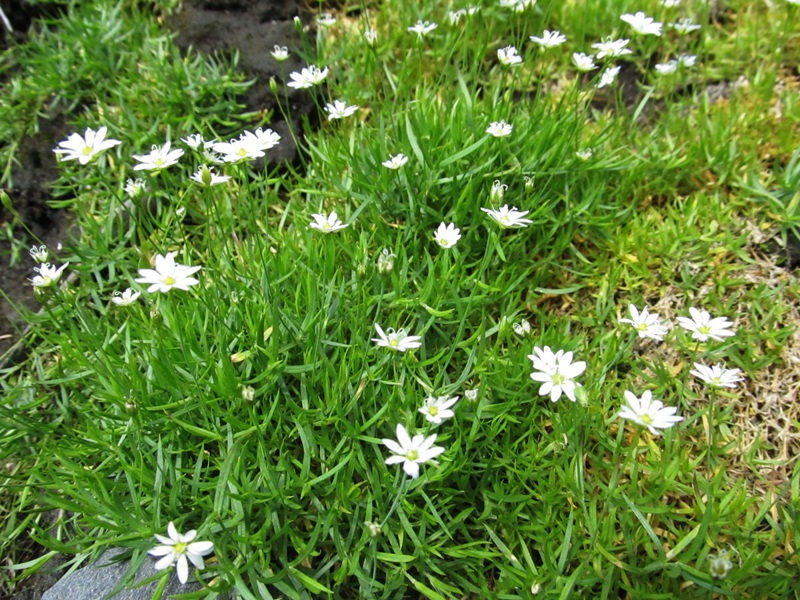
(96, 581)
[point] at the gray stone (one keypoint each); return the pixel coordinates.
(96, 581)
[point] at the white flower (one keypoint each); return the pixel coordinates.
(264, 139)
(422, 27)
(125, 298)
(642, 24)
(471, 395)
(339, 110)
(498, 191)
(327, 223)
(396, 340)
(719, 564)
(687, 60)
(522, 328)
(168, 274)
(395, 162)
(608, 77)
(549, 39)
(517, 5)
(583, 62)
(194, 141)
(544, 359)
(160, 157)
(326, 19)
(374, 528)
(447, 235)
(611, 48)
(412, 452)
(385, 261)
(684, 26)
(135, 187)
(85, 149)
(646, 324)
(584, 154)
(667, 68)
(238, 150)
(307, 77)
(703, 326)
(175, 549)
(210, 155)
(508, 217)
(670, 3)
(39, 254)
(508, 56)
(48, 275)
(717, 376)
(248, 146)
(371, 36)
(206, 176)
(555, 371)
(454, 16)
(648, 412)
(499, 129)
(438, 409)
(280, 53)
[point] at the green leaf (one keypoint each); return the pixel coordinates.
(395, 558)
(311, 584)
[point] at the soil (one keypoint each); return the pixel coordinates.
(215, 27)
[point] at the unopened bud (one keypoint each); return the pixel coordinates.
(498, 191)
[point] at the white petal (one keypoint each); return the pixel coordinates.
(183, 569)
(411, 468)
(161, 550)
(403, 437)
(393, 446)
(166, 562)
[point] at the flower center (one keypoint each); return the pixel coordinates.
(433, 411)
(641, 327)
(159, 162)
(704, 329)
(181, 547)
(87, 150)
(558, 379)
(412, 455)
(169, 280)
(394, 342)
(647, 419)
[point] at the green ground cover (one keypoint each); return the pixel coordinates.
(257, 396)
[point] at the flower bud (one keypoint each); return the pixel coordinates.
(498, 191)
(385, 261)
